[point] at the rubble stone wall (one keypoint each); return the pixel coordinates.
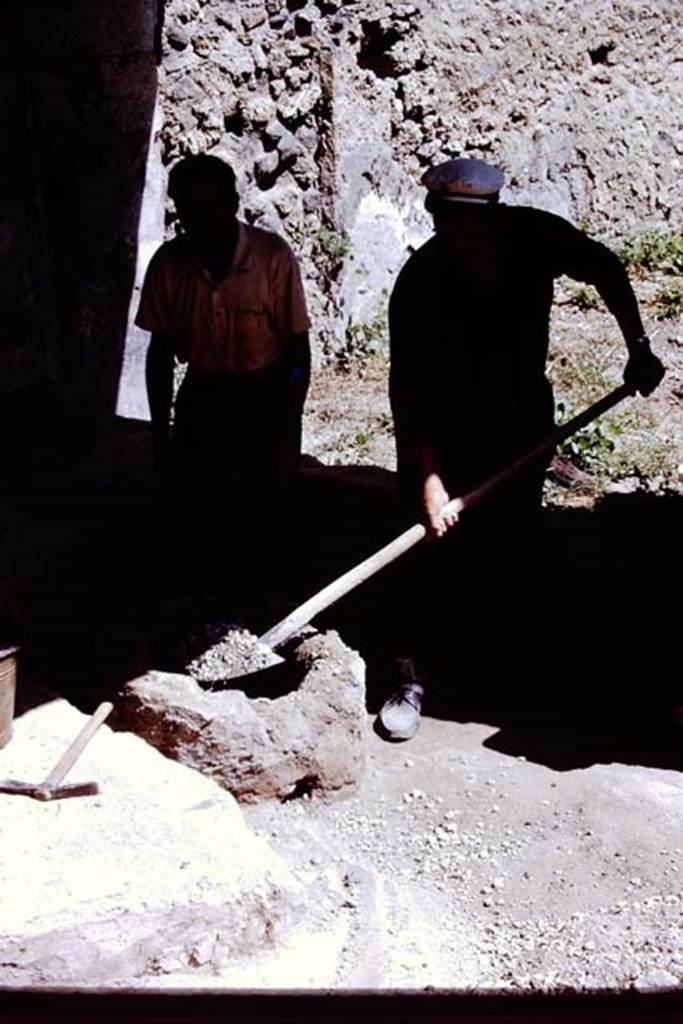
(330, 112)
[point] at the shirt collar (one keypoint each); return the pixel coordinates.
(242, 258)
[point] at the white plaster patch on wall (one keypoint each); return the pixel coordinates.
(132, 395)
(380, 242)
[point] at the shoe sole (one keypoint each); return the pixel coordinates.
(393, 735)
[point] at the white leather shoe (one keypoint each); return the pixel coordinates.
(399, 717)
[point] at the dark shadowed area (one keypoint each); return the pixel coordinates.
(570, 662)
(78, 95)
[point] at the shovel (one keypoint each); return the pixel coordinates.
(301, 616)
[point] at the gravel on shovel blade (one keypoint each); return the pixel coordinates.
(230, 651)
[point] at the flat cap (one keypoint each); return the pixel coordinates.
(464, 179)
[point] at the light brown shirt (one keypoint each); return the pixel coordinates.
(236, 325)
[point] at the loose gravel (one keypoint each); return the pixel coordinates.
(228, 651)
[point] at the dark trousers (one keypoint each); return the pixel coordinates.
(235, 450)
(475, 594)
(237, 432)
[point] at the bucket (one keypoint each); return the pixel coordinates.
(8, 686)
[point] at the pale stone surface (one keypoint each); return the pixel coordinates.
(308, 740)
(158, 872)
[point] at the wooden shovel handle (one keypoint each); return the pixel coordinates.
(342, 585)
(76, 748)
(302, 615)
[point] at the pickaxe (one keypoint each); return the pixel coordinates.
(52, 788)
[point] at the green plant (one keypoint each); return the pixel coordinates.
(585, 297)
(590, 448)
(334, 246)
(668, 301)
(367, 339)
(361, 441)
(652, 250)
(356, 447)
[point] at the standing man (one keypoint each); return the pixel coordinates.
(469, 321)
(225, 298)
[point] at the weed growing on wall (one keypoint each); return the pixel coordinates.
(651, 251)
(668, 301)
(334, 246)
(584, 297)
(368, 338)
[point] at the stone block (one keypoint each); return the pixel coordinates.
(309, 740)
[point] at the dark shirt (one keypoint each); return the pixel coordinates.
(469, 333)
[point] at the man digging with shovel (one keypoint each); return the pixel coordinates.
(469, 324)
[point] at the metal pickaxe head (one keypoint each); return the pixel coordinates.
(45, 792)
(53, 787)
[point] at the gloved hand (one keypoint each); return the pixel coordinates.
(643, 370)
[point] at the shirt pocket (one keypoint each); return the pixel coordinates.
(250, 326)
(254, 346)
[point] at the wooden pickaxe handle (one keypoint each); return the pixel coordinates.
(302, 615)
(76, 748)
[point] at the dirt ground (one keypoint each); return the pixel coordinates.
(471, 870)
